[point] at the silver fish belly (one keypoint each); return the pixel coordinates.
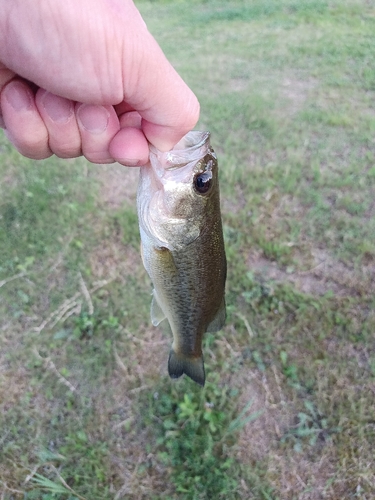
(182, 247)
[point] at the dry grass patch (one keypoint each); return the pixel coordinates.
(296, 91)
(306, 474)
(112, 258)
(327, 274)
(311, 472)
(118, 185)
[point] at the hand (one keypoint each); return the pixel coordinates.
(86, 77)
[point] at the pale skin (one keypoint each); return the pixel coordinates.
(85, 77)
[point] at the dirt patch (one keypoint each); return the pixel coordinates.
(299, 476)
(296, 91)
(13, 386)
(258, 437)
(145, 355)
(238, 84)
(326, 274)
(141, 359)
(118, 185)
(291, 473)
(112, 259)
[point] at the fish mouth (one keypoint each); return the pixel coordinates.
(191, 148)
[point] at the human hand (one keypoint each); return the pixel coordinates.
(86, 77)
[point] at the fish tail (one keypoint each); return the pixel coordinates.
(193, 367)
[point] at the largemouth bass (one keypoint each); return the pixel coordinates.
(183, 248)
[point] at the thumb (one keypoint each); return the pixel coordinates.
(168, 107)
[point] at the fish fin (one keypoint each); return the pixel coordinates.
(157, 313)
(218, 322)
(179, 364)
(142, 257)
(165, 258)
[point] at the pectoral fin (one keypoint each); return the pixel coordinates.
(157, 314)
(218, 322)
(178, 364)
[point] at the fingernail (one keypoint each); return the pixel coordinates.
(18, 97)
(60, 110)
(93, 118)
(131, 119)
(130, 162)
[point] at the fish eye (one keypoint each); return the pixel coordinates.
(202, 182)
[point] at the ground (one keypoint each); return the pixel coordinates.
(87, 409)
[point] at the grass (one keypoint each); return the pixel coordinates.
(87, 411)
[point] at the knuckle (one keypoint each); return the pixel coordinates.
(35, 148)
(70, 149)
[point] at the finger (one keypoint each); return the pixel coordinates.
(122, 108)
(24, 125)
(130, 147)
(5, 75)
(131, 119)
(59, 118)
(97, 125)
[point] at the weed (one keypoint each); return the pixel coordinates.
(310, 427)
(195, 432)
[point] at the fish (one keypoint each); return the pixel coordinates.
(182, 247)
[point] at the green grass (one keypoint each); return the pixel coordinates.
(86, 409)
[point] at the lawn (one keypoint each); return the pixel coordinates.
(87, 410)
